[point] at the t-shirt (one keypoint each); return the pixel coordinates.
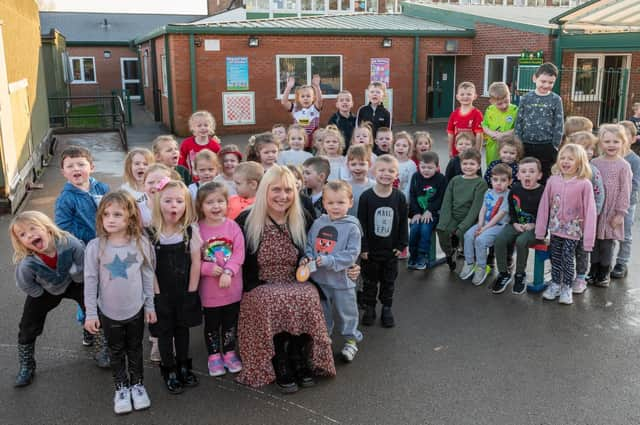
(291, 157)
(497, 120)
(51, 262)
(237, 204)
(137, 195)
(494, 203)
(384, 223)
(309, 118)
(458, 123)
(523, 203)
(189, 148)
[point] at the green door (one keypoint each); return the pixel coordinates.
(443, 86)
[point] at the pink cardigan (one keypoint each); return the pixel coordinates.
(569, 209)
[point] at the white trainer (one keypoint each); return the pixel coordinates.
(122, 401)
(566, 295)
(552, 292)
(349, 351)
(480, 275)
(467, 271)
(140, 397)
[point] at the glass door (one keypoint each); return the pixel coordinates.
(130, 77)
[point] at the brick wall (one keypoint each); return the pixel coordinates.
(108, 72)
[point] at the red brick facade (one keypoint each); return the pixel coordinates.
(107, 70)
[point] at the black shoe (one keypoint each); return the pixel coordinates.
(619, 271)
(502, 281)
(387, 317)
(27, 370)
(519, 286)
(593, 273)
(87, 338)
(171, 381)
(451, 262)
(602, 279)
(185, 374)
(369, 316)
(300, 360)
(284, 379)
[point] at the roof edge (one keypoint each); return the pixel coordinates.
(556, 19)
(81, 43)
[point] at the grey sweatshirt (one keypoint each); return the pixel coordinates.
(118, 279)
(337, 242)
(540, 119)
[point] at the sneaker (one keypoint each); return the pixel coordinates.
(619, 271)
(451, 262)
(467, 271)
(404, 254)
(411, 264)
(552, 292)
(140, 397)
(421, 263)
(154, 355)
(566, 296)
(480, 275)
(579, 285)
(519, 286)
(122, 401)
(502, 281)
(369, 316)
(232, 362)
(386, 318)
(216, 365)
(87, 338)
(349, 351)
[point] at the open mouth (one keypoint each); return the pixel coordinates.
(77, 175)
(38, 244)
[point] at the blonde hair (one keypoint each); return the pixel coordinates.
(344, 93)
(618, 131)
(259, 212)
(466, 85)
(404, 135)
(635, 106)
(155, 145)
(171, 173)
(300, 129)
(379, 85)
(207, 116)
(363, 126)
(389, 159)
(250, 170)
(157, 221)
(206, 190)
(584, 139)
(583, 170)
(38, 219)
(359, 152)
(305, 87)
(128, 163)
(206, 155)
(332, 130)
(498, 90)
(339, 186)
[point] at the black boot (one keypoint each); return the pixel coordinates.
(593, 272)
(27, 365)
(185, 374)
(284, 378)
(619, 271)
(300, 360)
(174, 386)
(602, 279)
(387, 317)
(369, 316)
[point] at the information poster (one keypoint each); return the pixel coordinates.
(237, 73)
(380, 70)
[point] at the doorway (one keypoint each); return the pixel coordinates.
(130, 75)
(440, 86)
(613, 88)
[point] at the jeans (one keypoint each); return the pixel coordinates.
(124, 338)
(624, 254)
(343, 302)
(523, 241)
(476, 247)
(420, 236)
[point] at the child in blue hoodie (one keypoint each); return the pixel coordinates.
(333, 245)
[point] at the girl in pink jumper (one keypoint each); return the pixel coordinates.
(222, 255)
(568, 210)
(616, 176)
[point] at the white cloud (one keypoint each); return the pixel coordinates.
(186, 7)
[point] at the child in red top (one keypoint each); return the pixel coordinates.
(465, 118)
(203, 126)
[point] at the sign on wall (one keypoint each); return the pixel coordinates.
(380, 70)
(238, 108)
(237, 73)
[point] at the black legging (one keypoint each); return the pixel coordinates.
(180, 340)
(223, 318)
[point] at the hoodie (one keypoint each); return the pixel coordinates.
(337, 242)
(76, 209)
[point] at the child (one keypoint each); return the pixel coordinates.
(524, 198)
(49, 264)
(307, 106)
(297, 140)
(317, 139)
(568, 209)
(383, 215)
(464, 142)
(176, 288)
(118, 293)
(333, 243)
(315, 172)
(135, 166)
(165, 149)
(203, 127)
(206, 166)
(363, 135)
(305, 200)
(465, 119)
(247, 179)
(491, 220)
(230, 156)
(279, 132)
(423, 144)
(499, 120)
(383, 141)
(332, 148)
(461, 204)
(426, 191)
(262, 148)
(617, 178)
(510, 153)
(375, 112)
(403, 150)
(635, 119)
(343, 118)
(574, 124)
(540, 120)
(154, 174)
(358, 164)
(220, 266)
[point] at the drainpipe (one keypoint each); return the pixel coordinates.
(192, 66)
(557, 59)
(169, 88)
(416, 65)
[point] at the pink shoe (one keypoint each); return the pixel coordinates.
(232, 362)
(579, 286)
(216, 366)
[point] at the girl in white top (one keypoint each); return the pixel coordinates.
(152, 177)
(135, 166)
(229, 157)
(402, 150)
(332, 147)
(297, 140)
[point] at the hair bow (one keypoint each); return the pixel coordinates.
(162, 183)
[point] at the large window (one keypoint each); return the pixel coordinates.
(499, 68)
(304, 67)
(586, 78)
(83, 70)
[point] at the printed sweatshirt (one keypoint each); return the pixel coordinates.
(426, 194)
(540, 119)
(384, 223)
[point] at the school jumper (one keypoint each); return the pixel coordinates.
(424, 194)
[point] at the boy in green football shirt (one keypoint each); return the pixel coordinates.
(499, 119)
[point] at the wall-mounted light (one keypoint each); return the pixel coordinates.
(107, 54)
(254, 41)
(197, 41)
(386, 42)
(451, 46)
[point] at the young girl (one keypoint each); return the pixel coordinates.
(616, 175)
(568, 208)
(135, 166)
(317, 139)
(220, 266)
(206, 167)
(263, 149)
(176, 287)
(363, 135)
(165, 151)
(307, 106)
(203, 127)
(230, 157)
(403, 150)
(332, 147)
(423, 143)
(297, 140)
(152, 177)
(49, 264)
(118, 294)
(510, 151)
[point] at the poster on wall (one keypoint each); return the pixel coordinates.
(380, 70)
(238, 108)
(237, 73)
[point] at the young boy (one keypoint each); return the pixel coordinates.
(279, 132)
(383, 216)
(358, 163)
(540, 121)
(247, 179)
(499, 120)
(165, 150)
(466, 118)
(524, 198)
(461, 204)
(464, 141)
(315, 172)
(492, 218)
(343, 118)
(509, 153)
(375, 112)
(426, 191)
(383, 141)
(333, 244)
(206, 166)
(574, 124)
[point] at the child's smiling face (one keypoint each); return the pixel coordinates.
(423, 145)
(296, 139)
(201, 127)
(401, 148)
(508, 154)
(229, 163)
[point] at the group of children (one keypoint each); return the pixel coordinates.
(165, 248)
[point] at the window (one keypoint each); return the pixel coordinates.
(165, 84)
(586, 78)
(145, 64)
(83, 70)
(304, 67)
(499, 68)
